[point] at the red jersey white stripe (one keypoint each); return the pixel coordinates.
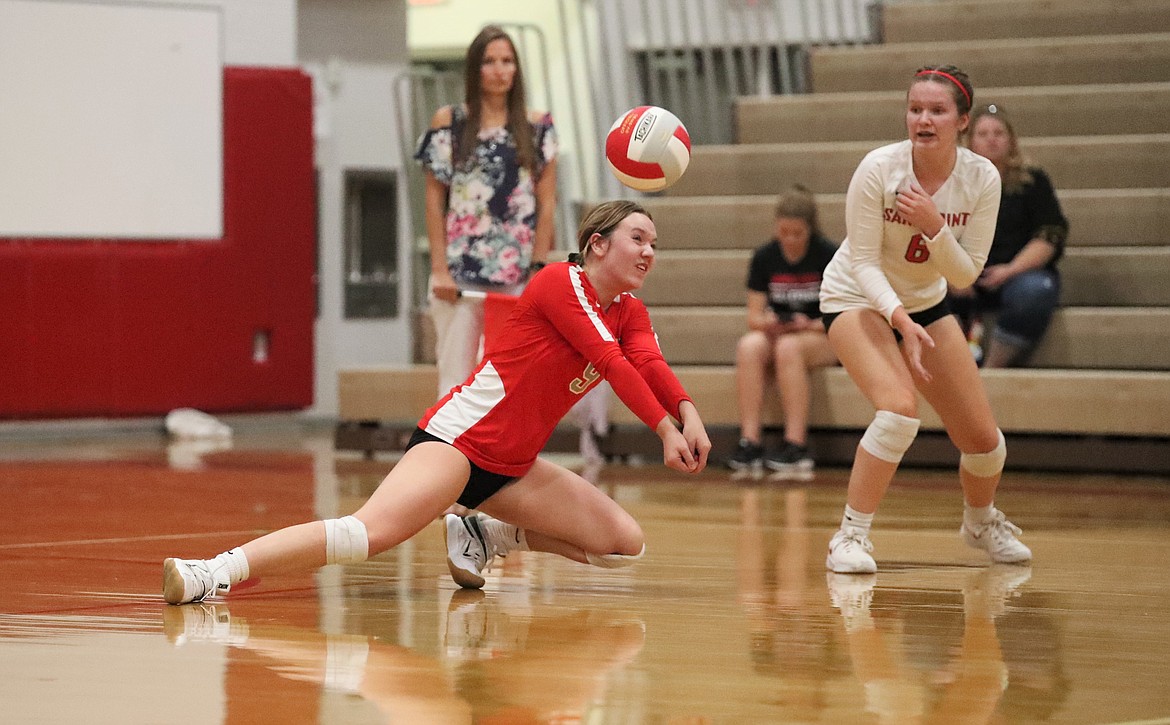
(558, 343)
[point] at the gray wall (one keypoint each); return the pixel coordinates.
(354, 49)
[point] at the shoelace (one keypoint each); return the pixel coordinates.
(859, 539)
(206, 577)
(999, 523)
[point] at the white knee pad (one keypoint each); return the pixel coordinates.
(889, 435)
(346, 541)
(986, 464)
(614, 561)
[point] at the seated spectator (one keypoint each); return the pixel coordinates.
(786, 337)
(1020, 281)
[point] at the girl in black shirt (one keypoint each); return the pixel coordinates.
(1020, 280)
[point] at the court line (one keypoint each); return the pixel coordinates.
(126, 539)
(1155, 721)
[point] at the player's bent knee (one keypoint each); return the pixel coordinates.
(346, 541)
(889, 436)
(614, 561)
(987, 464)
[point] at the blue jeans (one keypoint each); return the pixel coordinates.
(1026, 303)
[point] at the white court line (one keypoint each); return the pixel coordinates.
(1155, 721)
(125, 539)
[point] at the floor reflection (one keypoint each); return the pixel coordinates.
(499, 660)
(730, 618)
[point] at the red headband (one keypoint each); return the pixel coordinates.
(950, 78)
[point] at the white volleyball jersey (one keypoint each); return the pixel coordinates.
(885, 261)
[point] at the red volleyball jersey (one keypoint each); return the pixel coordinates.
(557, 344)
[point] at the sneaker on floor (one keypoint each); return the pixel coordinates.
(849, 553)
(998, 538)
(791, 459)
(986, 592)
(465, 633)
(203, 623)
(852, 595)
(747, 456)
(467, 551)
(193, 580)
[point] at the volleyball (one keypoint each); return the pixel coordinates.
(648, 148)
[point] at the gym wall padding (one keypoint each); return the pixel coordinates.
(96, 328)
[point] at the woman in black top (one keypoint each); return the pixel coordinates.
(786, 338)
(1020, 280)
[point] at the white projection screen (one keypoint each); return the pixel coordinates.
(111, 120)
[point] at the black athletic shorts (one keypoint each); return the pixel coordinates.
(480, 484)
(924, 318)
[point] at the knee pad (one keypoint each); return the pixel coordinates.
(346, 541)
(985, 464)
(889, 435)
(614, 561)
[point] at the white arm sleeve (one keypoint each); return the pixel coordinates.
(962, 262)
(864, 227)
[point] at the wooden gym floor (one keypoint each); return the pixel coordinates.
(730, 618)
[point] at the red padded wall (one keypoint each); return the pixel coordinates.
(118, 328)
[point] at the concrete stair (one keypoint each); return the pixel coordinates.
(1101, 338)
(1115, 276)
(1097, 217)
(1111, 108)
(908, 22)
(992, 63)
(1082, 402)
(1073, 162)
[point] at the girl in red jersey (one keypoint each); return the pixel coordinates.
(575, 324)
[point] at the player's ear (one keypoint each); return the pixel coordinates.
(597, 242)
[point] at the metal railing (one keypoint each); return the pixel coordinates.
(695, 57)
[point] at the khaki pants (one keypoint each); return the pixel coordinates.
(459, 335)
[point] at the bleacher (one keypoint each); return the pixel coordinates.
(1090, 109)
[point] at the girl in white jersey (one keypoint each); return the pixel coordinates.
(919, 214)
(574, 325)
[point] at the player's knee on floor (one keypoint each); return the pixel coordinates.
(614, 561)
(346, 541)
(889, 436)
(987, 464)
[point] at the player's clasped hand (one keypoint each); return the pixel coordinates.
(917, 207)
(676, 453)
(687, 450)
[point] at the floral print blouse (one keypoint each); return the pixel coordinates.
(491, 207)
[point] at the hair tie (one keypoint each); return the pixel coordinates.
(949, 77)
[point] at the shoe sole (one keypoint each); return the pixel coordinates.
(836, 570)
(462, 577)
(173, 585)
(799, 467)
(793, 475)
(737, 466)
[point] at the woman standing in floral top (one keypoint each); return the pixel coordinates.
(490, 168)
